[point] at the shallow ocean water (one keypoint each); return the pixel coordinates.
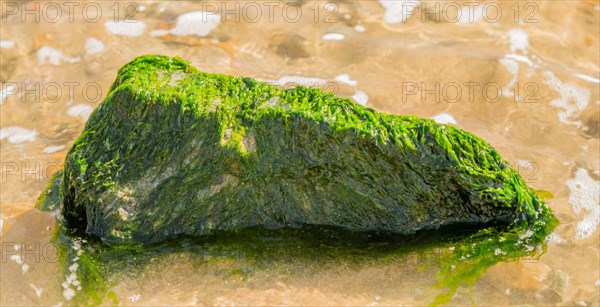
(526, 79)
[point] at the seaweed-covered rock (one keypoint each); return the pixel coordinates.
(173, 150)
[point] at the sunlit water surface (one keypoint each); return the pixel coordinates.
(364, 50)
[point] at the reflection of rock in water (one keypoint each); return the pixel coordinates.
(555, 285)
(292, 46)
(591, 127)
(9, 57)
(30, 273)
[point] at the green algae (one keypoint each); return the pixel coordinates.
(460, 254)
(50, 199)
(175, 151)
(218, 168)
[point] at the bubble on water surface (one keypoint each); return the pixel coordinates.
(93, 46)
(7, 44)
(300, 80)
(444, 118)
(53, 149)
(53, 56)
(397, 11)
(361, 98)
(334, 37)
(126, 28)
(80, 110)
(17, 135)
(345, 78)
(573, 99)
(196, 23)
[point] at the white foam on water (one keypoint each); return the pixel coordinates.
(71, 279)
(555, 239)
(513, 68)
(573, 99)
(159, 32)
(7, 44)
(38, 291)
(587, 78)
(361, 98)
(53, 149)
(519, 40)
(135, 298)
(93, 46)
(300, 80)
(334, 37)
(471, 14)
(68, 293)
(81, 110)
(345, 78)
(126, 27)
(397, 11)
(583, 196)
(444, 118)
(520, 58)
(17, 135)
(53, 56)
(359, 28)
(196, 23)
(17, 259)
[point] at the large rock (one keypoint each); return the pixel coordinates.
(172, 151)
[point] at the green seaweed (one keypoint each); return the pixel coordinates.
(461, 255)
(476, 253)
(174, 151)
(50, 199)
(217, 167)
